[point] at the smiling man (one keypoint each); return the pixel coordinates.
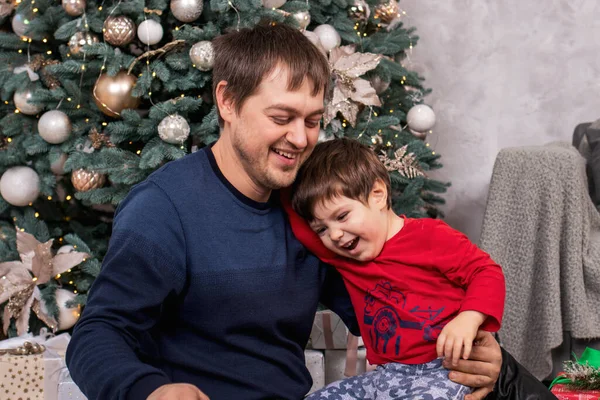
(204, 291)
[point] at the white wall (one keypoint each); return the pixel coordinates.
(503, 73)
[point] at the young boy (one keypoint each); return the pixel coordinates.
(420, 289)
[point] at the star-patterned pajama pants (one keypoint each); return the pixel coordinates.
(394, 382)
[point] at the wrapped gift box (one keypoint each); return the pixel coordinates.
(315, 362)
(32, 376)
(329, 332)
(68, 390)
(562, 392)
(341, 364)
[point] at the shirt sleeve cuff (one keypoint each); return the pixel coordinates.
(143, 387)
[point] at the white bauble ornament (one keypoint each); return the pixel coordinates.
(67, 248)
(67, 317)
(150, 32)
(324, 136)
(328, 36)
(54, 126)
(420, 118)
(303, 18)
(174, 129)
(57, 167)
(22, 98)
(20, 23)
(20, 186)
(187, 10)
(202, 55)
(273, 3)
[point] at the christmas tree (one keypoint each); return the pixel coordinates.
(96, 96)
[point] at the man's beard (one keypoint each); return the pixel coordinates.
(259, 172)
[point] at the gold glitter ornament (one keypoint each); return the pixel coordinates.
(119, 30)
(80, 39)
(359, 11)
(84, 180)
(405, 163)
(387, 12)
(74, 7)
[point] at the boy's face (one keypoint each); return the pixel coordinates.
(352, 228)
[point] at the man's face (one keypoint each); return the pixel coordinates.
(276, 130)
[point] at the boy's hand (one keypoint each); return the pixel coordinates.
(458, 334)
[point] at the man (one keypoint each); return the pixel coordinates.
(204, 292)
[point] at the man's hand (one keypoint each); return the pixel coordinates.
(481, 370)
(177, 391)
(456, 339)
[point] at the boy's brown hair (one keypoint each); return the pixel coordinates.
(245, 57)
(337, 167)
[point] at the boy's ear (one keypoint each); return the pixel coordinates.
(378, 195)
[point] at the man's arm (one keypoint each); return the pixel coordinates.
(335, 297)
(494, 373)
(144, 267)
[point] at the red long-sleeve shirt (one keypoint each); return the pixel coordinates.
(425, 275)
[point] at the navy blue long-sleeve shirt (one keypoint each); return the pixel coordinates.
(201, 285)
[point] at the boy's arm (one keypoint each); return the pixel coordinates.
(470, 267)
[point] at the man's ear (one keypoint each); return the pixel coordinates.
(224, 102)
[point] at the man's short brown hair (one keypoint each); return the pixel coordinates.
(338, 167)
(244, 58)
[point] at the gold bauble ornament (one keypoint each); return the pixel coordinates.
(84, 180)
(387, 12)
(81, 39)
(112, 94)
(119, 31)
(303, 18)
(74, 7)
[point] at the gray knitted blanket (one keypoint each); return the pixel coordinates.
(541, 226)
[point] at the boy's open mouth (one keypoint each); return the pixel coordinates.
(352, 244)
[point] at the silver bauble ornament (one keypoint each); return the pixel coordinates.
(54, 126)
(420, 118)
(22, 98)
(74, 7)
(174, 129)
(273, 3)
(202, 55)
(20, 186)
(378, 84)
(328, 36)
(81, 39)
(57, 167)
(150, 32)
(20, 23)
(303, 18)
(187, 10)
(67, 316)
